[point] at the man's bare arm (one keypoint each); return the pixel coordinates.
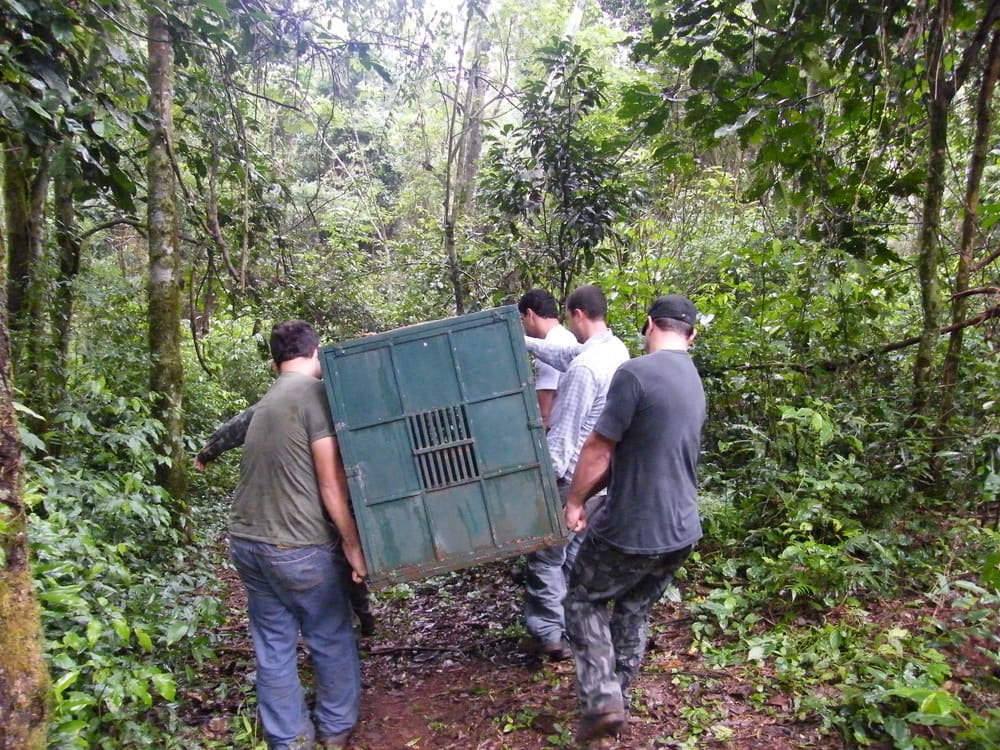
(546, 398)
(332, 482)
(593, 469)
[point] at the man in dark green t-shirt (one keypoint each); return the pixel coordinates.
(644, 449)
(232, 434)
(290, 514)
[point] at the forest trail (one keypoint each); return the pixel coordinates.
(449, 669)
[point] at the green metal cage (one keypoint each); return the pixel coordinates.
(443, 444)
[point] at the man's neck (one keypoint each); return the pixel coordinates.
(592, 328)
(301, 365)
(546, 324)
(669, 341)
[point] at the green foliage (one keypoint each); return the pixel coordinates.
(514, 722)
(814, 107)
(52, 92)
(907, 695)
(810, 477)
(232, 370)
(399, 592)
(554, 181)
(122, 602)
(874, 682)
(762, 161)
(110, 343)
(807, 513)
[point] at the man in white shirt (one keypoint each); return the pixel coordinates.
(580, 400)
(540, 315)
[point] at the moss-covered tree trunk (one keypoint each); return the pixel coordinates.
(939, 97)
(26, 180)
(166, 371)
(23, 677)
(942, 87)
(68, 242)
(970, 231)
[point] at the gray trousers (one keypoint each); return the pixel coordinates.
(611, 594)
(546, 575)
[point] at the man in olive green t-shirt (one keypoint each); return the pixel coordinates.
(232, 434)
(290, 513)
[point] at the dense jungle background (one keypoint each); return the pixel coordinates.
(821, 178)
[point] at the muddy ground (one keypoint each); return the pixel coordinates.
(449, 668)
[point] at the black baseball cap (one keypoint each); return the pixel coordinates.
(675, 306)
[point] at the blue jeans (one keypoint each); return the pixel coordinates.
(292, 590)
(546, 574)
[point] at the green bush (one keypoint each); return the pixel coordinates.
(122, 604)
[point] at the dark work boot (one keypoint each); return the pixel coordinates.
(597, 725)
(557, 650)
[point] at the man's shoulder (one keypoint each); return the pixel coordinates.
(617, 346)
(636, 369)
(668, 364)
(610, 350)
(292, 387)
(559, 334)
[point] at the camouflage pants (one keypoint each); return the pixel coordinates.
(360, 597)
(607, 610)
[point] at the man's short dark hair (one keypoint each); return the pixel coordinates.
(590, 299)
(672, 324)
(291, 339)
(539, 301)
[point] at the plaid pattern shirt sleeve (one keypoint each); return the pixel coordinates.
(578, 390)
(552, 353)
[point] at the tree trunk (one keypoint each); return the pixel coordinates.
(166, 371)
(454, 266)
(24, 681)
(457, 166)
(17, 215)
(472, 129)
(970, 217)
(68, 243)
(26, 180)
(929, 247)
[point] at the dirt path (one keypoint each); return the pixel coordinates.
(448, 669)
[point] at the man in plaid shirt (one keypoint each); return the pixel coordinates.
(579, 402)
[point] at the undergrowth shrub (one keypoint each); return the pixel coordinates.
(819, 530)
(903, 689)
(123, 605)
(923, 675)
(806, 527)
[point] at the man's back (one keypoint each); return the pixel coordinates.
(655, 412)
(277, 500)
(582, 392)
